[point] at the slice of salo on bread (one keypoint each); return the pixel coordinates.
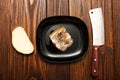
(21, 41)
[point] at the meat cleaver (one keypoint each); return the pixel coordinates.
(97, 22)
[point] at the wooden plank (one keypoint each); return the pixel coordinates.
(62, 72)
(116, 18)
(108, 55)
(25, 14)
(81, 69)
(4, 38)
(57, 71)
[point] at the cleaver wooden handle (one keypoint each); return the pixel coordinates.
(95, 61)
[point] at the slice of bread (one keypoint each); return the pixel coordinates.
(21, 42)
(61, 38)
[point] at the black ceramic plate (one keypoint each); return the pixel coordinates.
(75, 27)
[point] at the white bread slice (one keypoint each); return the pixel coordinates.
(61, 38)
(21, 42)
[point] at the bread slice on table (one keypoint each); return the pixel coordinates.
(61, 38)
(21, 41)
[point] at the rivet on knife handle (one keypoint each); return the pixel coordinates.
(95, 61)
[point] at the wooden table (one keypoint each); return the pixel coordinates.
(29, 13)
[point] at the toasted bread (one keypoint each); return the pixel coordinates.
(61, 38)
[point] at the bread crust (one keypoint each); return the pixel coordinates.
(58, 30)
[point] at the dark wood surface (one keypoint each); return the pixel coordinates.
(29, 13)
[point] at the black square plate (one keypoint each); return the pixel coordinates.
(75, 27)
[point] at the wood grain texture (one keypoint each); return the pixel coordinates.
(116, 18)
(29, 13)
(4, 49)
